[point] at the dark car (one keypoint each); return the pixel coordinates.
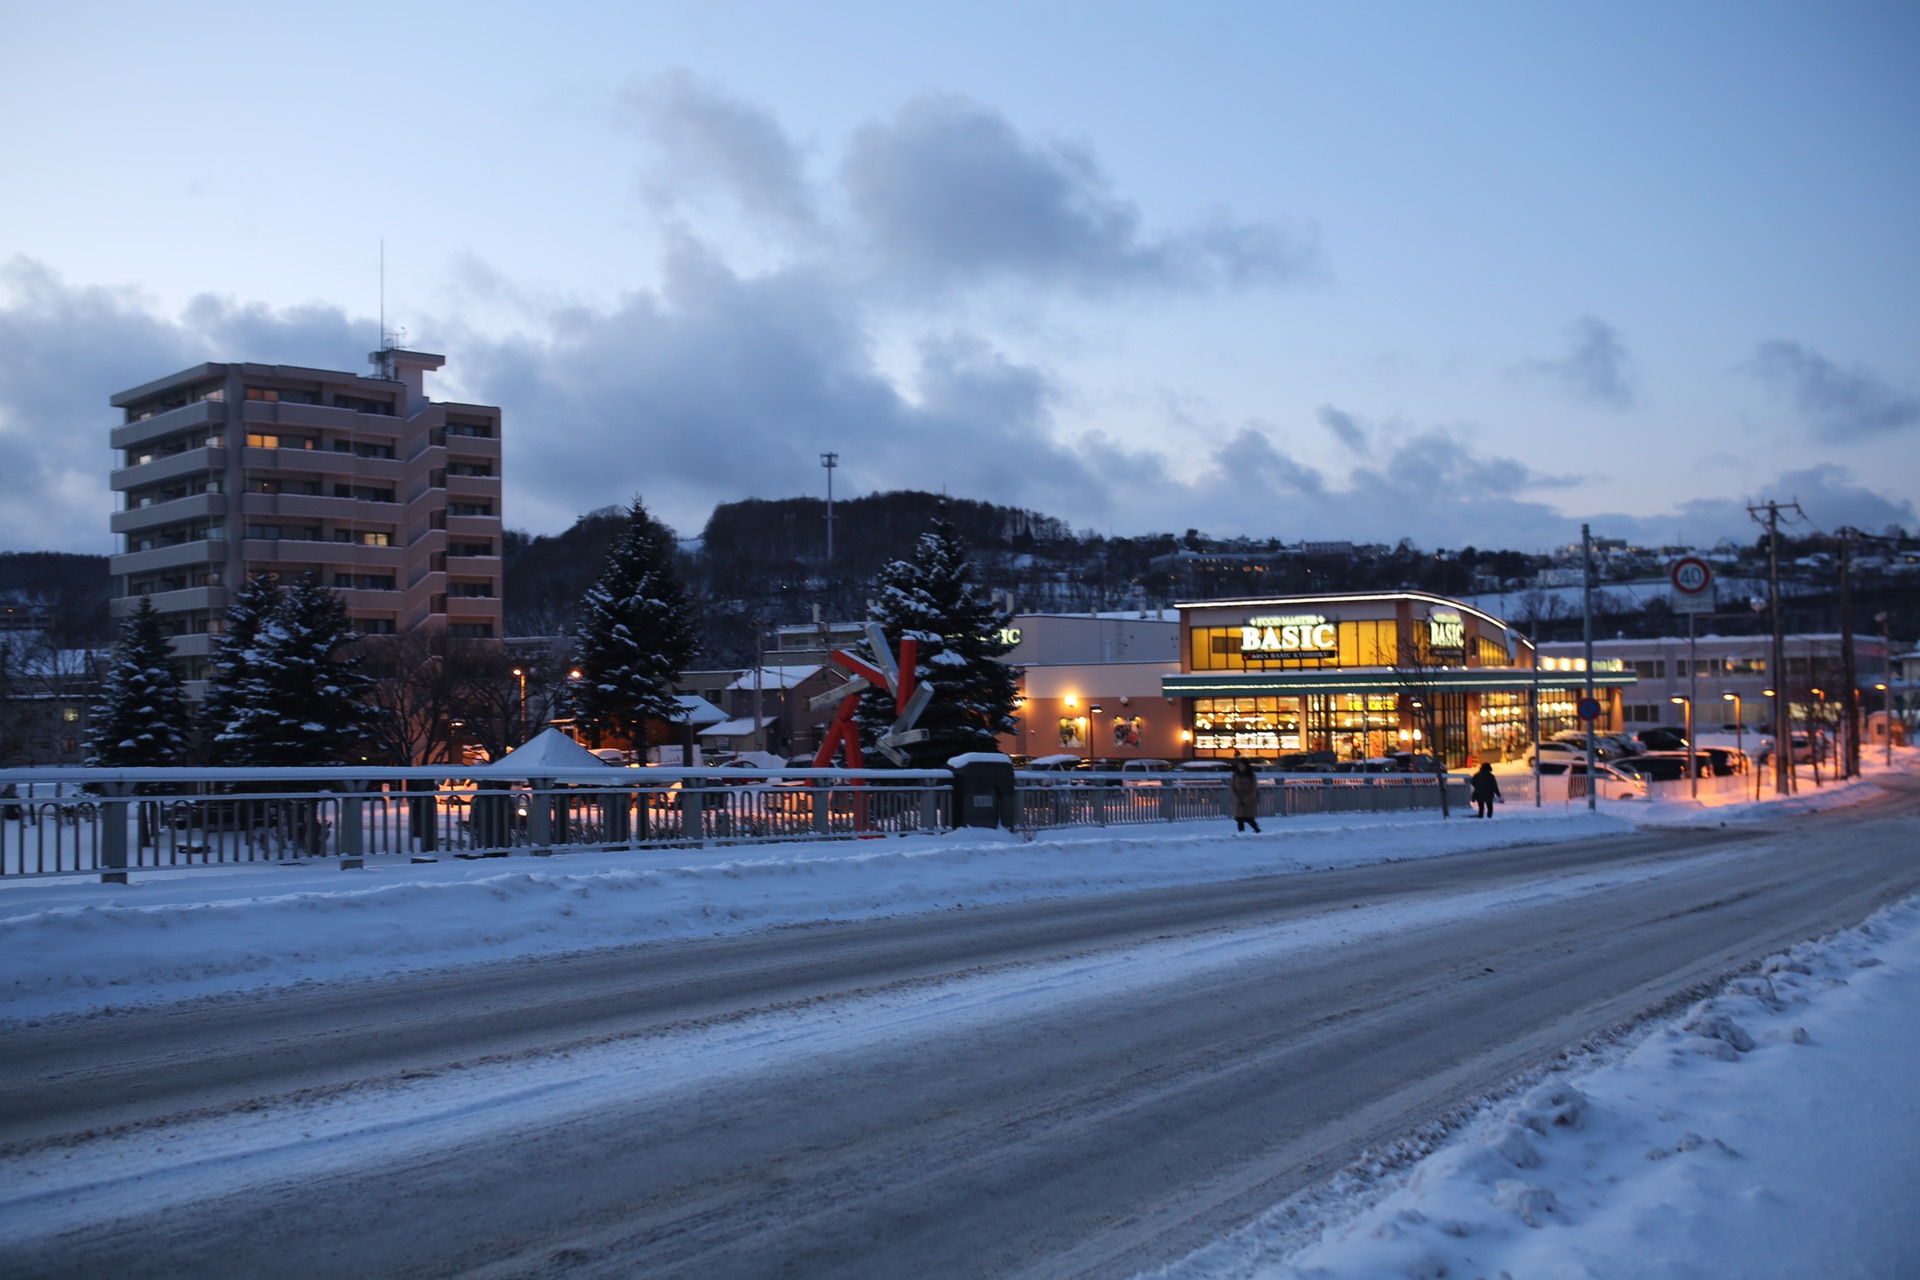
(1663, 740)
(1727, 761)
(1665, 766)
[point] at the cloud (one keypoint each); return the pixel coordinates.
(724, 386)
(708, 137)
(1596, 370)
(1344, 427)
(1841, 404)
(64, 349)
(946, 192)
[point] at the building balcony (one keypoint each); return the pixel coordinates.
(472, 488)
(185, 463)
(204, 413)
(474, 567)
(459, 527)
(213, 599)
(180, 555)
(195, 646)
(198, 506)
(474, 609)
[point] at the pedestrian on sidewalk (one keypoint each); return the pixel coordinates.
(1245, 786)
(1486, 789)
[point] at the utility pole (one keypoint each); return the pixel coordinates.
(829, 461)
(1783, 772)
(1586, 627)
(1849, 673)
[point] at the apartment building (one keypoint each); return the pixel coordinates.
(230, 470)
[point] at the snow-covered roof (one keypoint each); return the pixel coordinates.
(548, 749)
(695, 710)
(774, 677)
(736, 727)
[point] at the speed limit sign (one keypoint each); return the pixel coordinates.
(1691, 576)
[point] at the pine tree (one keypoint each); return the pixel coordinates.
(253, 604)
(961, 639)
(636, 635)
(299, 700)
(142, 717)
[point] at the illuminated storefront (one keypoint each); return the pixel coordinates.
(1368, 675)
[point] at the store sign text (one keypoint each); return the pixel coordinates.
(1306, 633)
(1446, 631)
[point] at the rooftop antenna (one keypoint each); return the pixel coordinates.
(383, 357)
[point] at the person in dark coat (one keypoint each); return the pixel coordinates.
(1246, 796)
(1486, 789)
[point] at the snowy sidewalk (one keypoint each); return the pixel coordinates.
(1769, 1132)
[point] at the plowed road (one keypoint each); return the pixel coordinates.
(1088, 1086)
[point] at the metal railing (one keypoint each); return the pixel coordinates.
(112, 822)
(1050, 800)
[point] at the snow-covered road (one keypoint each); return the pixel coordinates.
(94, 949)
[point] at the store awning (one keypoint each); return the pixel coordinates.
(1380, 680)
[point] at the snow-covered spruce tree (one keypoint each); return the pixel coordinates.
(299, 701)
(141, 720)
(253, 604)
(635, 637)
(961, 642)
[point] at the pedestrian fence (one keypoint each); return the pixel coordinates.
(111, 822)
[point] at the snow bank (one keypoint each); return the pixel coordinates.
(1769, 1131)
(82, 947)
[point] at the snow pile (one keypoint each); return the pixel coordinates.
(1768, 1131)
(85, 946)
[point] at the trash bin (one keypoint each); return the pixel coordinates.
(983, 791)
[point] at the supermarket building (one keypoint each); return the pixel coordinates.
(1358, 675)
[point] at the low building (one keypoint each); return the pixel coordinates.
(1364, 675)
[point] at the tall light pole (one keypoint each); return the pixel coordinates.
(1093, 709)
(1886, 669)
(1739, 736)
(829, 461)
(1693, 757)
(521, 674)
(1773, 717)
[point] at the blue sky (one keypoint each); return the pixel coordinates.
(1466, 274)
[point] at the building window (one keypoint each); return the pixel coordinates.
(472, 548)
(470, 508)
(473, 590)
(483, 469)
(375, 626)
(475, 430)
(471, 630)
(269, 440)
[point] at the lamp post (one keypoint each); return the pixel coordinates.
(1887, 728)
(1693, 757)
(1740, 737)
(1886, 669)
(1814, 734)
(1093, 709)
(520, 673)
(1773, 718)
(573, 727)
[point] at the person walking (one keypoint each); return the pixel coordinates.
(1245, 786)
(1486, 789)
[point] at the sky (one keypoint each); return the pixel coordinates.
(1469, 275)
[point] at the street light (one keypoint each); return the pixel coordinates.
(1886, 665)
(1816, 736)
(1093, 709)
(521, 672)
(1693, 757)
(1773, 718)
(1740, 737)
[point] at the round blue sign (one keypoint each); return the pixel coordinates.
(1589, 709)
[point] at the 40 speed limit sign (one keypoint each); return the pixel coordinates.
(1692, 585)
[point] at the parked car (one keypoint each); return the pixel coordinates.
(1206, 766)
(1605, 746)
(1665, 766)
(1726, 761)
(1612, 781)
(1663, 740)
(1413, 762)
(1144, 773)
(1373, 764)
